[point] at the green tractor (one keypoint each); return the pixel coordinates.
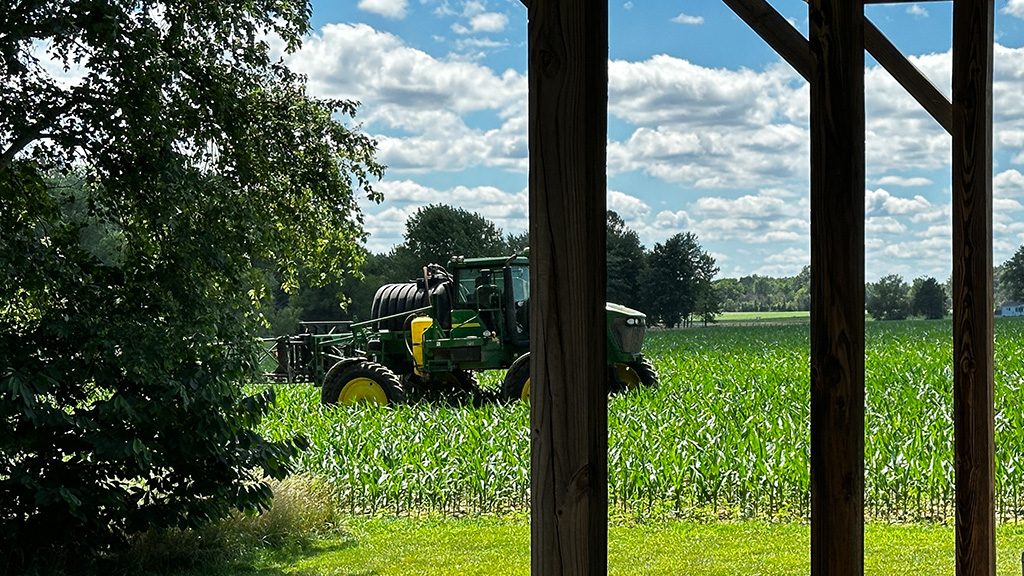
(437, 331)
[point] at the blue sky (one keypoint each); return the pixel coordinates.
(707, 126)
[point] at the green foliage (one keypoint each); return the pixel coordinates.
(677, 275)
(888, 299)
(625, 262)
(1010, 277)
(928, 298)
(135, 206)
(763, 294)
(436, 233)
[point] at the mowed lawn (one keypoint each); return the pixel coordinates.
(500, 546)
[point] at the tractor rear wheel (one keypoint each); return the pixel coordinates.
(361, 382)
(516, 386)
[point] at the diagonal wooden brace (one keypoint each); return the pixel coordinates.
(774, 29)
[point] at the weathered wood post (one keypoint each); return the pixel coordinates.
(837, 287)
(973, 398)
(568, 70)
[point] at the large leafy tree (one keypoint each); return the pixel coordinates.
(154, 161)
(677, 274)
(438, 232)
(1010, 276)
(928, 298)
(888, 299)
(625, 259)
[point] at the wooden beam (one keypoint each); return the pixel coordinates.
(837, 287)
(912, 80)
(973, 399)
(774, 29)
(568, 76)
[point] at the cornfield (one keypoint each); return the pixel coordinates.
(725, 435)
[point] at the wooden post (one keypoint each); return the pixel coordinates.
(837, 287)
(568, 71)
(973, 410)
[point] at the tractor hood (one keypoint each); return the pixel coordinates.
(620, 310)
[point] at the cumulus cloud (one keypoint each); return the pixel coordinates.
(917, 11)
(1014, 8)
(903, 181)
(484, 22)
(386, 8)
(687, 19)
(416, 104)
(507, 209)
(631, 209)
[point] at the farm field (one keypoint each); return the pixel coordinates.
(725, 436)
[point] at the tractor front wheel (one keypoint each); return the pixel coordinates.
(361, 382)
(628, 376)
(516, 385)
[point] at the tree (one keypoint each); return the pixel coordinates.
(676, 273)
(928, 298)
(1011, 277)
(436, 233)
(887, 298)
(625, 263)
(137, 204)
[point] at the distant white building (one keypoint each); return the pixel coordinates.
(1013, 309)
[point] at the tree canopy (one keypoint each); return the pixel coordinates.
(928, 298)
(888, 298)
(677, 274)
(625, 263)
(1011, 277)
(143, 192)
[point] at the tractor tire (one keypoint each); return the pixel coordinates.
(455, 387)
(516, 386)
(628, 376)
(361, 382)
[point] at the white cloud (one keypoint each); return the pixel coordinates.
(1014, 8)
(485, 22)
(396, 9)
(416, 103)
(917, 11)
(1008, 184)
(883, 225)
(687, 19)
(903, 181)
(631, 209)
(507, 209)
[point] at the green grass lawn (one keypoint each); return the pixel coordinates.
(500, 546)
(797, 317)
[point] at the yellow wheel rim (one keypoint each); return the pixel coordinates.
(526, 392)
(360, 390)
(628, 376)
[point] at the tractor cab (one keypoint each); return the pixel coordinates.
(491, 299)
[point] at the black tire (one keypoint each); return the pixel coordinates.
(516, 386)
(359, 382)
(455, 387)
(627, 376)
